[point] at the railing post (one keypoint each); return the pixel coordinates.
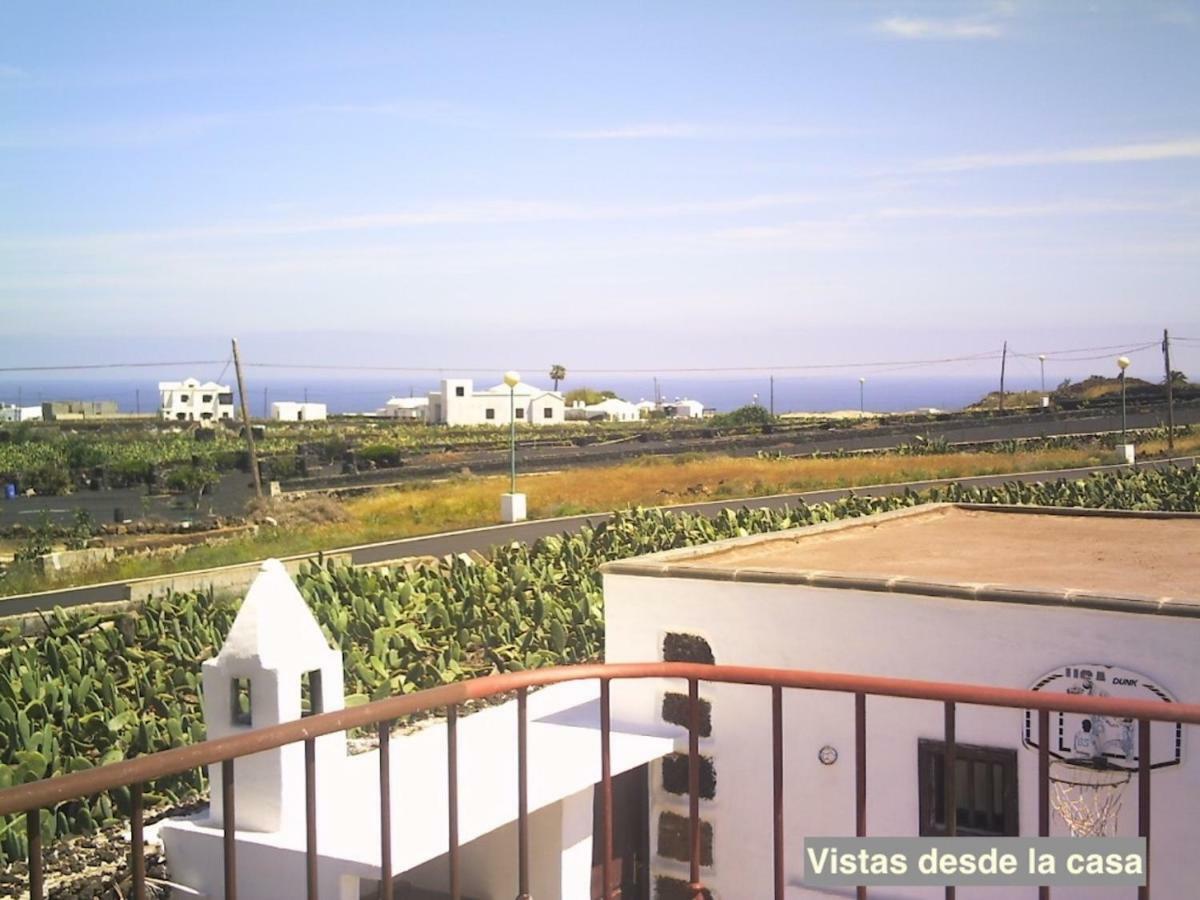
(950, 783)
(229, 812)
(695, 885)
(1044, 785)
(452, 798)
(310, 815)
(385, 811)
(860, 774)
(137, 842)
(522, 796)
(606, 793)
(33, 831)
(1144, 798)
(777, 784)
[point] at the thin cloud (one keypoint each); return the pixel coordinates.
(505, 212)
(1143, 151)
(687, 131)
(651, 131)
(1035, 210)
(914, 29)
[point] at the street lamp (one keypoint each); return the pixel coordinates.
(512, 379)
(1122, 364)
(1042, 360)
(862, 409)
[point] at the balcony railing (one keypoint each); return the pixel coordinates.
(30, 799)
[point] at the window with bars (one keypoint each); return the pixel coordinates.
(985, 789)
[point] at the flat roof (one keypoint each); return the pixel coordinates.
(1132, 561)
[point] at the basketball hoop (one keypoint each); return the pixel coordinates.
(1087, 794)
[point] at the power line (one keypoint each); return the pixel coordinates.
(139, 365)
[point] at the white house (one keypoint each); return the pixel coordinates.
(613, 409)
(683, 409)
(293, 411)
(191, 401)
(458, 403)
(14, 413)
(410, 409)
(1090, 602)
(274, 657)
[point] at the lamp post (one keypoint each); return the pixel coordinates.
(512, 379)
(862, 408)
(1042, 360)
(1122, 364)
(512, 504)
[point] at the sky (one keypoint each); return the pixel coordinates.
(605, 185)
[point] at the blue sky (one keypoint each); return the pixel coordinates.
(616, 184)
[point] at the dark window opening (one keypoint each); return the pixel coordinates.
(310, 694)
(520, 413)
(548, 412)
(691, 648)
(985, 789)
(183, 398)
(239, 697)
(460, 391)
(225, 399)
(489, 413)
(206, 398)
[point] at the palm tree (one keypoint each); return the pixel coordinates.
(557, 373)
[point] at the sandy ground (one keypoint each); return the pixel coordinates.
(1109, 555)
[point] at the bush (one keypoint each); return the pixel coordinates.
(743, 416)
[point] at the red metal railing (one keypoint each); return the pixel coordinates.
(34, 797)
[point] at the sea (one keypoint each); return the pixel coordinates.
(885, 393)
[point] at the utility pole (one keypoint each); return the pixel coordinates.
(1003, 360)
(306, 395)
(657, 395)
(237, 367)
(266, 407)
(772, 396)
(137, 400)
(1166, 347)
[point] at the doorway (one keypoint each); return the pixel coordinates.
(631, 836)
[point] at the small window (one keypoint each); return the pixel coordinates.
(548, 412)
(310, 694)
(181, 416)
(489, 413)
(520, 413)
(183, 398)
(985, 788)
(206, 398)
(206, 416)
(239, 702)
(225, 399)
(460, 391)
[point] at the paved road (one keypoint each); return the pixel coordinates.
(484, 539)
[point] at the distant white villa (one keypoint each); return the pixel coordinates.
(611, 409)
(413, 409)
(458, 403)
(292, 411)
(675, 409)
(14, 413)
(191, 401)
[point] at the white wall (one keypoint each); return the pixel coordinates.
(560, 857)
(292, 411)
(930, 638)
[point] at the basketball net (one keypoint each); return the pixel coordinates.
(1087, 796)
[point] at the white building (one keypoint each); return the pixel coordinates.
(274, 657)
(409, 409)
(683, 409)
(191, 401)
(14, 413)
(610, 409)
(458, 403)
(293, 411)
(1096, 603)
